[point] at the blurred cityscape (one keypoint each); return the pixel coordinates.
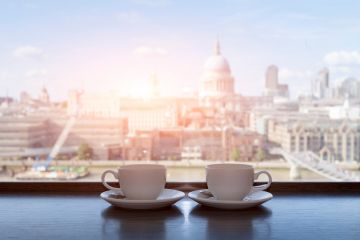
(315, 137)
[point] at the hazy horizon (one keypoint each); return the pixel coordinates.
(114, 45)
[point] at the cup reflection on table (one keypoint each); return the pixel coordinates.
(143, 224)
(253, 223)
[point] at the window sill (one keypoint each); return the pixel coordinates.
(97, 187)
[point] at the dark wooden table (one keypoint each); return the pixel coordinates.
(86, 216)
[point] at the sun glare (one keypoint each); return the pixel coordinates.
(140, 91)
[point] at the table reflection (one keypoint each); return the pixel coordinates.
(186, 220)
(229, 224)
(139, 224)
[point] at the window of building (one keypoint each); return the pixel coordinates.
(77, 100)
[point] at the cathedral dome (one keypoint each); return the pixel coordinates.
(216, 80)
(217, 63)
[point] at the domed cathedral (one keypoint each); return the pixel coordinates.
(216, 80)
(217, 89)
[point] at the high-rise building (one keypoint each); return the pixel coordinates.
(321, 85)
(272, 80)
(272, 86)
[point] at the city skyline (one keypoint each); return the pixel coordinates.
(117, 46)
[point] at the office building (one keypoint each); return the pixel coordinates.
(272, 86)
(321, 85)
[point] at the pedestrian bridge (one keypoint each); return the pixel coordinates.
(315, 164)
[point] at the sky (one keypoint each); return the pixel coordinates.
(117, 45)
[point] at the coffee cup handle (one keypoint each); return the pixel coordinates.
(104, 181)
(263, 186)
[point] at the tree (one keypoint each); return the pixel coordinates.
(84, 152)
(64, 105)
(235, 154)
(261, 154)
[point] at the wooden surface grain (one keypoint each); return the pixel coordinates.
(86, 216)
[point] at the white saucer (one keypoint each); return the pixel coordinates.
(166, 198)
(205, 198)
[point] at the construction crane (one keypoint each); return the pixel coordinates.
(62, 137)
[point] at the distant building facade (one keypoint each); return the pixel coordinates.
(105, 136)
(29, 136)
(17, 134)
(335, 108)
(106, 104)
(141, 114)
(349, 88)
(332, 140)
(204, 144)
(150, 114)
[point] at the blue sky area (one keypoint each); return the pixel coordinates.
(116, 45)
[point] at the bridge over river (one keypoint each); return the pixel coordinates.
(314, 163)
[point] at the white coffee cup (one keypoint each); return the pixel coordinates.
(233, 181)
(140, 181)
